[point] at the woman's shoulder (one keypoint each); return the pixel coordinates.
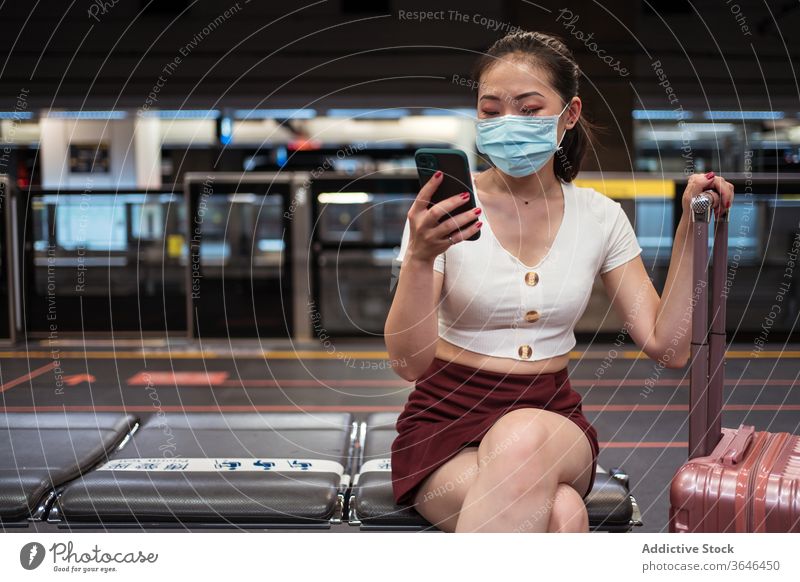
(595, 202)
(584, 190)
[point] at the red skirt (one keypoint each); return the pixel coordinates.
(454, 405)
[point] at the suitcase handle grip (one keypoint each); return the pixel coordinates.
(739, 445)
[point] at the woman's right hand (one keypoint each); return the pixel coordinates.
(428, 238)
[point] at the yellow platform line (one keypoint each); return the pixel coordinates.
(108, 355)
(325, 355)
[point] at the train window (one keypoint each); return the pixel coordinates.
(362, 217)
(95, 252)
(69, 223)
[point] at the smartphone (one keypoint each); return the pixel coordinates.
(457, 178)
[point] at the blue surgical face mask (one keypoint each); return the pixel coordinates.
(519, 145)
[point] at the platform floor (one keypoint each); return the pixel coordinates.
(638, 408)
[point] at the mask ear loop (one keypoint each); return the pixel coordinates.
(558, 147)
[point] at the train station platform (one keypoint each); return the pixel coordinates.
(638, 408)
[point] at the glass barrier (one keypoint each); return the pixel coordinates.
(6, 331)
(103, 261)
(122, 261)
(238, 265)
(361, 217)
(358, 225)
(653, 224)
(763, 253)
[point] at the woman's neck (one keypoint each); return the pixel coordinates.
(539, 185)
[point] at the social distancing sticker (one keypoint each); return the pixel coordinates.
(184, 465)
(376, 465)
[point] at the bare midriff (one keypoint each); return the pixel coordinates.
(452, 353)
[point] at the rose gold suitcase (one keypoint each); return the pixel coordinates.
(736, 480)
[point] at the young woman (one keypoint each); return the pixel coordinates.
(493, 438)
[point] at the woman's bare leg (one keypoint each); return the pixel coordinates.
(524, 458)
(441, 494)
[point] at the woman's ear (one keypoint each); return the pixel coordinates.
(574, 112)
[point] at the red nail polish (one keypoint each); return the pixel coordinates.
(465, 195)
(479, 224)
(709, 174)
(477, 211)
(438, 174)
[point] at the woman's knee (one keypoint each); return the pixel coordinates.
(520, 441)
(529, 450)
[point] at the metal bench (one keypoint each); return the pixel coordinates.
(274, 470)
(41, 452)
(371, 505)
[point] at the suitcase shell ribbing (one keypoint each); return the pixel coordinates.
(757, 490)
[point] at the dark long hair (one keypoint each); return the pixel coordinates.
(550, 52)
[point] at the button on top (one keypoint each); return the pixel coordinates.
(531, 278)
(525, 352)
(532, 316)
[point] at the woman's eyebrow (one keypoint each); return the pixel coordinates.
(517, 98)
(528, 94)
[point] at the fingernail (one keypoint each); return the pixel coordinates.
(465, 195)
(438, 174)
(709, 174)
(479, 224)
(477, 211)
(728, 205)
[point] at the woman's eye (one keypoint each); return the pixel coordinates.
(489, 112)
(530, 111)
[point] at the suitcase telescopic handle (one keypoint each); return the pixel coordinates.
(707, 374)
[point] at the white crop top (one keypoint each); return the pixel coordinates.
(495, 305)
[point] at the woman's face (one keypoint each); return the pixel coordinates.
(512, 87)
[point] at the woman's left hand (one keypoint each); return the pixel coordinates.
(721, 192)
